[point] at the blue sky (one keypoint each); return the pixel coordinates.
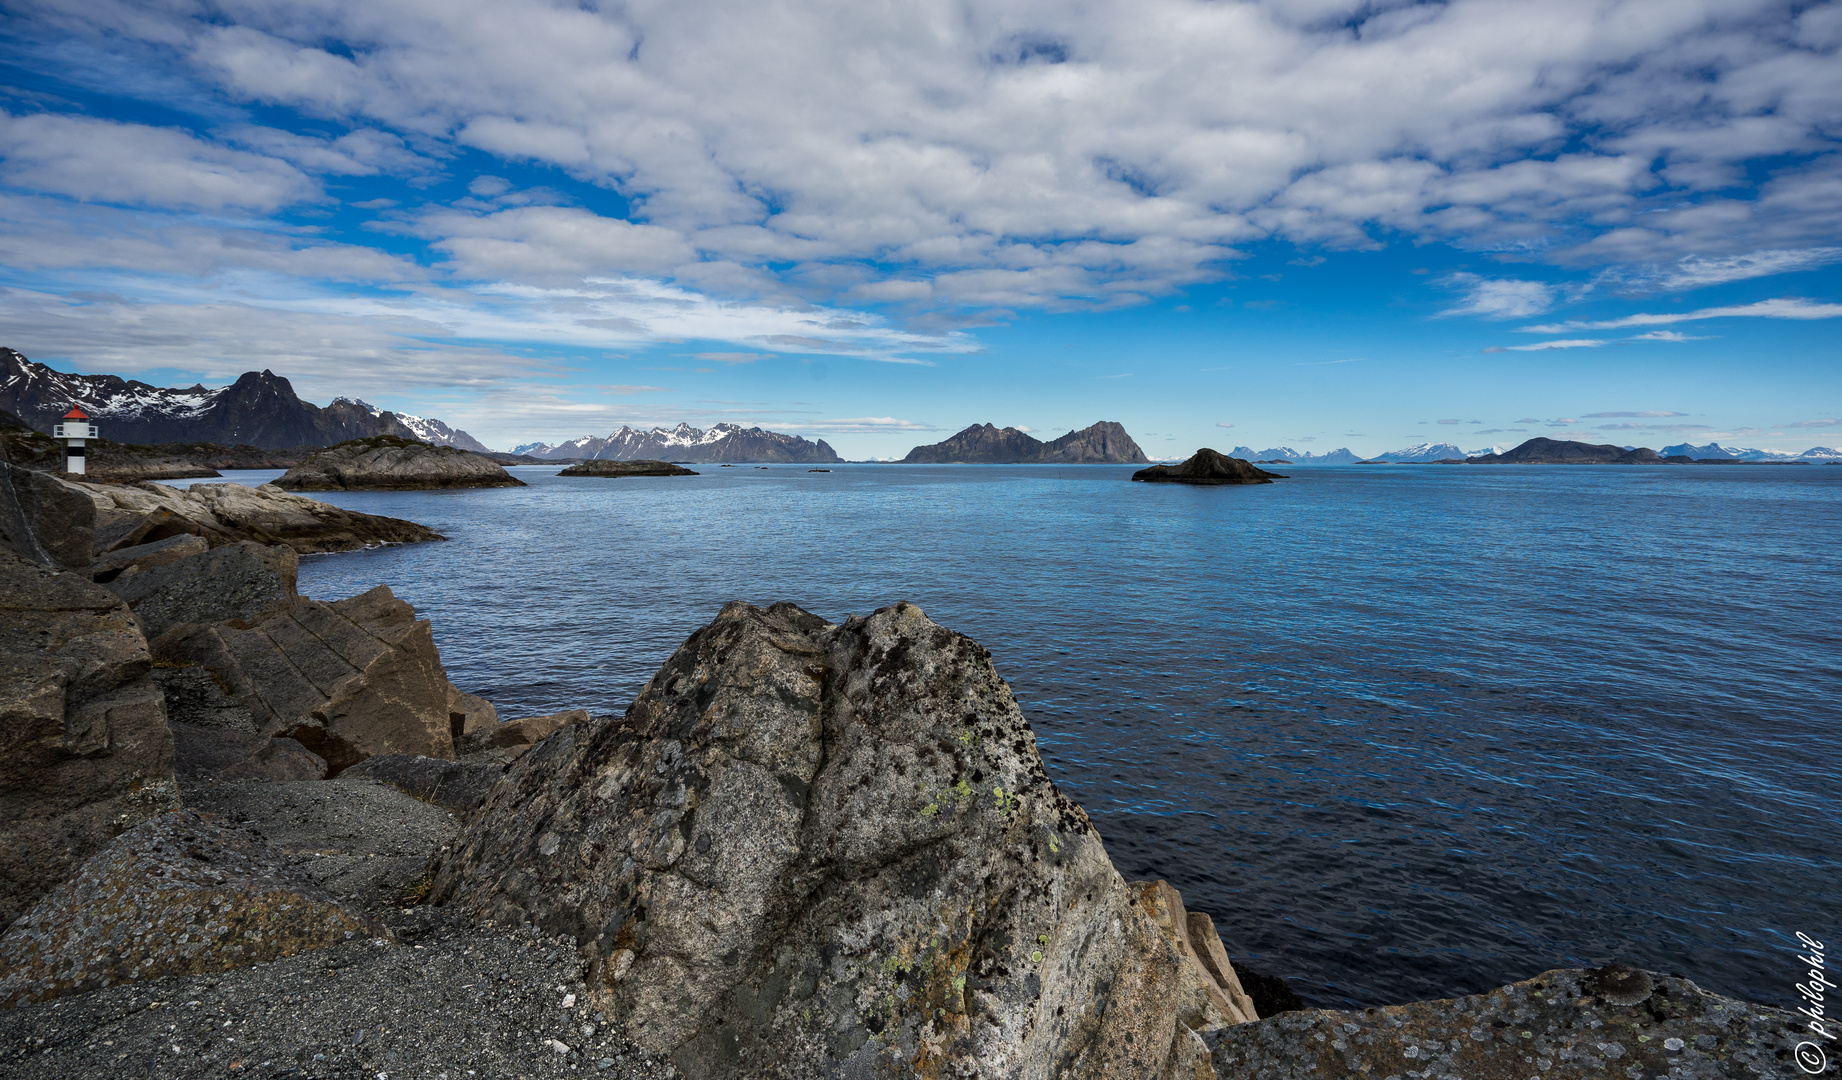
(1307, 223)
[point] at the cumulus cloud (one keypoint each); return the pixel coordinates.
(141, 165)
(1763, 309)
(1223, 424)
(1050, 155)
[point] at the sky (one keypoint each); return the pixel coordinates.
(1303, 223)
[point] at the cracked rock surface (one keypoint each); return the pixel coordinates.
(1560, 1025)
(811, 849)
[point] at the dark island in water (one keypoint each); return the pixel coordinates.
(1103, 443)
(636, 467)
(1208, 466)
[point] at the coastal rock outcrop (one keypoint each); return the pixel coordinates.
(636, 467)
(134, 514)
(1561, 1025)
(347, 679)
(45, 520)
(1206, 466)
(88, 753)
(179, 895)
(385, 462)
(812, 848)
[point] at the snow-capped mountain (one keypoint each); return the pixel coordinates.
(1424, 452)
(425, 428)
(260, 409)
(1340, 456)
(1746, 453)
(724, 442)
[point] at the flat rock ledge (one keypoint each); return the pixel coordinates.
(1207, 466)
(384, 462)
(1567, 1024)
(636, 467)
(221, 514)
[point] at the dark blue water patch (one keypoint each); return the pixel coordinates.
(1404, 731)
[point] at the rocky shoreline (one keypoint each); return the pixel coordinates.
(270, 837)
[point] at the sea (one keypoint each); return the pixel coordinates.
(1403, 731)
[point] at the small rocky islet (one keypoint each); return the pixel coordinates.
(254, 833)
(634, 467)
(392, 463)
(1207, 467)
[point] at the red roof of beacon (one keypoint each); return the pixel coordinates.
(76, 413)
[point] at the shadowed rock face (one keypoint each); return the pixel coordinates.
(809, 848)
(88, 753)
(45, 520)
(1207, 466)
(237, 581)
(394, 464)
(179, 895)
(1560, 1025)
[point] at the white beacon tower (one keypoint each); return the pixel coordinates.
(75, 428)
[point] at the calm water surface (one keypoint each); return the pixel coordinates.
(1404, 731)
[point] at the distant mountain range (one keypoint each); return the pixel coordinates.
(1340, 456)
(260, 409)
(724, 442)
(1740, 453)
(1105, 442)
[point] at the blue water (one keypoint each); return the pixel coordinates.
(1404, 731)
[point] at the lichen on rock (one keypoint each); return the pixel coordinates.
(181, 894)
(810, 847)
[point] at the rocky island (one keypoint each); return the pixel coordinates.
(256, 834)
(634, 467)
(1104, 442)
(1207, 466)
(386, 462)
(1567, 452)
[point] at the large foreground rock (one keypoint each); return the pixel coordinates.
(1560, 1025)
(179, 895)
(84, 748)
(1206, 466)
(137, 514)
(347, 679)
(809, 848)
(44, 520)
(387, 462)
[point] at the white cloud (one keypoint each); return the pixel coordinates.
(1653, 413)
(862, 425)
(1542, 346)
(1763, 309)
(734, 357)
(1043, 154)
(1667, 335)
(138, 165)
(1696, 271)
(1499, 298)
